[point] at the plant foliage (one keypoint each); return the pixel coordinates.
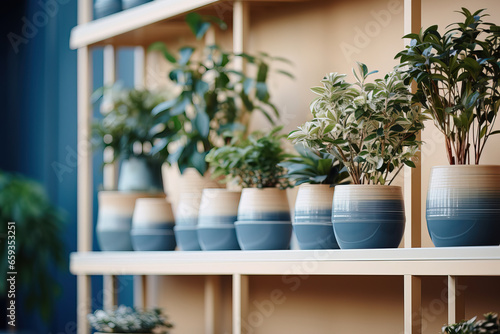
(39, 248)
(130, 320)
(253, 162)
(370, 127)
(213, 97)
(490, 325)
(458, 76)
(312, 166)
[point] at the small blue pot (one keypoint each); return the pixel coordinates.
(187, 238)
(218, 238)
(368, 216)
(104, 8)
(263, 235)
(153, 239)
(315, 236)
(127, 4)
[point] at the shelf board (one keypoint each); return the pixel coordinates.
(154, 21)
(460, 261)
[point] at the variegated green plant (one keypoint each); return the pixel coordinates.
(370, 126)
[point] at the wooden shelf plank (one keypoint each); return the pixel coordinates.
(462, 261)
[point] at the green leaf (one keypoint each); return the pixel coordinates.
(409, 163)
(262, 72)
(197, 25)
(160, 46)
(185, 54)
(371, 137)
(202, 123)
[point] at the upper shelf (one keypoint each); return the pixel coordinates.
(153, 21)
(460, 261)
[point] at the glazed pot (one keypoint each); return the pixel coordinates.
(152, 225)
(104, 8)
(368, 216)
(138, 174)
(263, 219)
(313, 217)
(217, 214)
(463, 205)
(114, 219)
(127, 4)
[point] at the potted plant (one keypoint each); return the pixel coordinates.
(371, 128)
(490, 325)
(126, 128)
(315, 173)
(458, 75)
(129, 320)
(263, 212)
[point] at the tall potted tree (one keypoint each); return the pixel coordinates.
(371, 128)
(458, 76)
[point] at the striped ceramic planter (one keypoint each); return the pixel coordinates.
(114, 220)
(263, 219)
(313, 217)
(104, 8)
(368, 216)
(463, 205)
(152, 225)
(217, 214)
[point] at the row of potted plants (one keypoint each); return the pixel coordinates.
(365, 129)
(104, 8)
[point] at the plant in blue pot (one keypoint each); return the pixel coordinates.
(263, 211)
(371, 127)
(458, 77)
(315, 173)
(104, 8)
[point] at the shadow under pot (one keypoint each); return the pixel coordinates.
(313, 217)
(217, 214)
(114, 218)
(263, 219)
(368, 216)
(463, 205)
(104, 8)
(152, 225)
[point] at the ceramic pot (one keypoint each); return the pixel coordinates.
(463, 205)
(368, 216)
(187, 237)
(263, 219)
(137, 174)
(127, 4)
(104, 8)
(114, 219)
(313, 217)
(152, 225)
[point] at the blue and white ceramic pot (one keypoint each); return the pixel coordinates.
(368, 216)
(138, 174)
(152, 225)
(263, 219)
(114, 219)
(104, 8)
(313, 217)
(133, 3)
(217, 214)
(463, 205)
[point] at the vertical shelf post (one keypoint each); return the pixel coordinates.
(413, 176)
(456, 304)
(212, 305)
(240, 301)
(109, 297)
(84, 175)
(241, 23)
(412, 304)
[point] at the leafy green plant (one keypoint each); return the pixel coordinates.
(38, 245)
(253, 162)
(312, 166)
(213, 98)
(128, 126)
(130, 320)
(490, 325)
(370, 127)
(458, 75)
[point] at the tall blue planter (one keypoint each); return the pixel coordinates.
(127, 4)
(104, 8)
(463, 205)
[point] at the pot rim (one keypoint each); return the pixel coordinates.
(221, 190)
(304, 185)
(262, 189)
(465, 166)
(369, 185)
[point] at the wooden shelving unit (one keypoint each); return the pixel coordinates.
(158, 20)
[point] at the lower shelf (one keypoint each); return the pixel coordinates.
(460, 261)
